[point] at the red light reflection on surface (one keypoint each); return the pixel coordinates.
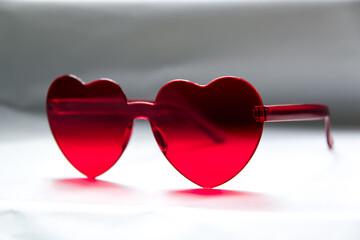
(209, 192)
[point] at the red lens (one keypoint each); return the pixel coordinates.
(209, 134)
(82, 121)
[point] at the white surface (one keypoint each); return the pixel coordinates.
(293, 188)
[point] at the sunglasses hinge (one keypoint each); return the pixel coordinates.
(259, 113)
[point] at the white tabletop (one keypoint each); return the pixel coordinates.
(293, 188)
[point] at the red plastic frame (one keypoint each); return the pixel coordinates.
(208, 133)
(295, 112)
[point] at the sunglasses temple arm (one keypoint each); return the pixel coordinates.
(295, 112)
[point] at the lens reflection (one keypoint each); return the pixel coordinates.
(211, 155)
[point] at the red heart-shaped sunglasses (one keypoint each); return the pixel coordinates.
(208, 133)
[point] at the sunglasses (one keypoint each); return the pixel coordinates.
(208, 133)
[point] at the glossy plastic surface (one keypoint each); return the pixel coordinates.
(91, 142)
(207, 133)
(226, 103)
(295, 112)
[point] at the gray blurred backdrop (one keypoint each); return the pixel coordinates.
(292, 52)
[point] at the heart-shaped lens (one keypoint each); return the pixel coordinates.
(87, 122)
(213, 134)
